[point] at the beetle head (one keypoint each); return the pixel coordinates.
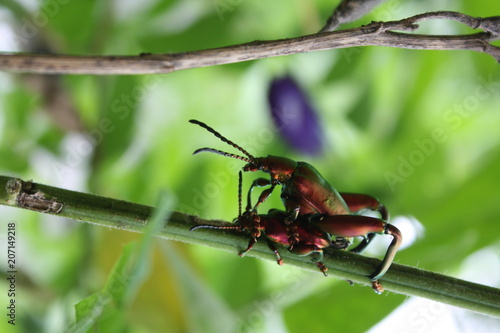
(279, 168)
(256, 164)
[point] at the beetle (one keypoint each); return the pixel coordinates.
(314, 233)
(304, 189)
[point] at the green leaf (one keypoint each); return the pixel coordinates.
(107, 308)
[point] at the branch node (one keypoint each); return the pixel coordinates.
(490, 24)
(14, 186)
(26, 197)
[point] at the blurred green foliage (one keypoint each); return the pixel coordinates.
(418, 129)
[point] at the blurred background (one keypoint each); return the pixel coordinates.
(417, 129)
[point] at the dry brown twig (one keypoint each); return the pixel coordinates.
(391, 34)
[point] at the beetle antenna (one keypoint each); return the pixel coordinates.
(223, 139)
(223, 153)
(240, 181)
(209, 226)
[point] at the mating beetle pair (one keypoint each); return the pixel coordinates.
(314, 210)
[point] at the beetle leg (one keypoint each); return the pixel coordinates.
(305, 249)
(363, 244)
(291, 228)
(377, 287)
(251, 243)
(358, 225)
(341, 243)
(263, 196)
(292, 235)
(358, 201)
(276, 253)
(389, 229)
(322, 268)
(259, 182)
(293, 209)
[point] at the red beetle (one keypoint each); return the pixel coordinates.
(314, 233)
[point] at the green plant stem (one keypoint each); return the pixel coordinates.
(345, 265)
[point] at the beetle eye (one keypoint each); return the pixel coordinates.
(250, 167)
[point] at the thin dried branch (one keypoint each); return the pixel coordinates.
(374, 34)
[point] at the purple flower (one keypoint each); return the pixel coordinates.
(294, 116)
